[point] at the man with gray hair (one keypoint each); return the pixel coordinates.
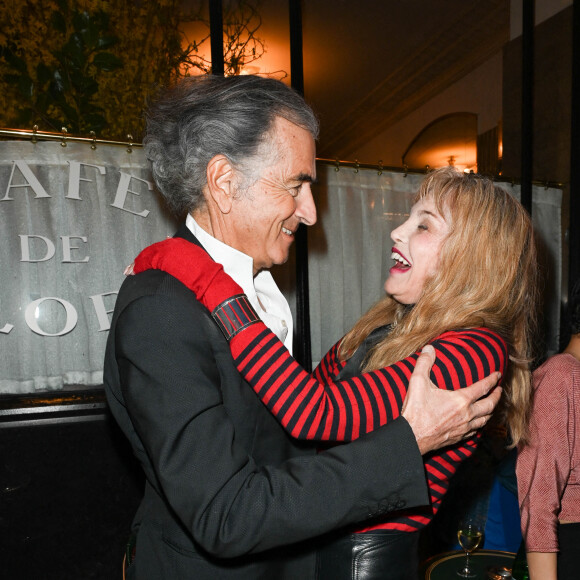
(228, 494)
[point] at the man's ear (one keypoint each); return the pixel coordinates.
(221, 176)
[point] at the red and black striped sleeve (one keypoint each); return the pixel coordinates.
(313, 409)
(330, 365)
(319, 408)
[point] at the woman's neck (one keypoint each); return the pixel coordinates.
(573, 347)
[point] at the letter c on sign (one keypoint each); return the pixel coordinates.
(71, 316)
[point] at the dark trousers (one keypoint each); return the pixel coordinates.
(569, 541)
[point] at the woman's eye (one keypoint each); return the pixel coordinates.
(422, 227)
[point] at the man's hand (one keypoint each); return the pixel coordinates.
(439, 417)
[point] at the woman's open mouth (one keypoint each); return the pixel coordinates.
(401, 262)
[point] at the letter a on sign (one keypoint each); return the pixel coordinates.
(31, 181)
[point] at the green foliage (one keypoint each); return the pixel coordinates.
(67, 88)
(91, 65)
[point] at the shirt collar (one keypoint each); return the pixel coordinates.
(240, 266)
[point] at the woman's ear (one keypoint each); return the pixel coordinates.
(220, 174)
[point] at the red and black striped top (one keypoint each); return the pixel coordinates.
(318, 407)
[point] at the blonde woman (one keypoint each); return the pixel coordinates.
(463, 281)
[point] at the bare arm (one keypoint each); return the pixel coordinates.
(542, 565)
(440, 418)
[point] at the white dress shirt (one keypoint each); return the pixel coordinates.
(261, 290)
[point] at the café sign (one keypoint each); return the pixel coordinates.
(72, 219)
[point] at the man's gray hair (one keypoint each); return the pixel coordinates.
(201, 117)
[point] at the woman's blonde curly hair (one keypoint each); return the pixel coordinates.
(487, 276)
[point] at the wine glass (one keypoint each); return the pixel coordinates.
(469, 534)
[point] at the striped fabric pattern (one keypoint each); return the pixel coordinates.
(234, 315)
(318, 408)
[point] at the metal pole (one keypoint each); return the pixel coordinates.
(303, 351)
(574, 231)
(527, 103)
(216, 31)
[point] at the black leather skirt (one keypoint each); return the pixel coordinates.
(381, 555)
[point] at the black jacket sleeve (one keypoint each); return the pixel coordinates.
(172, 388)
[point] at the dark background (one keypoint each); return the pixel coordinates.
(68, 492)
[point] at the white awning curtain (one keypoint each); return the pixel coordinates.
(74, 217)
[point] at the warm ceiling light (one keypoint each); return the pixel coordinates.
(250, 70)
(450, 140)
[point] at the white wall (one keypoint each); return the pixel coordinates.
(478, 92)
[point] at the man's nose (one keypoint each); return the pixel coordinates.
(305, 206)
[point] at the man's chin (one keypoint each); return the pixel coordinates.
(278, 261)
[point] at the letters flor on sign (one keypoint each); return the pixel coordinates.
(68, 248)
